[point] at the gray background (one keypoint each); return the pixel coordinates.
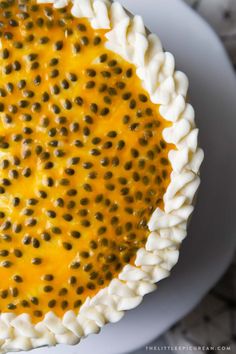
(214, 319)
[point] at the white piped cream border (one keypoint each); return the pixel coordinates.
(167, 88)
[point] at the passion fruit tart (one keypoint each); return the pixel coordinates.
(98, 168)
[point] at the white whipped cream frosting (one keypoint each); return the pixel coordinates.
(168, 88)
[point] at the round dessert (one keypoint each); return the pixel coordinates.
(99, 166)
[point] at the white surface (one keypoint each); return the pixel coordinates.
(211, 239)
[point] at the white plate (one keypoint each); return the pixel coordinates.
(211, 237)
